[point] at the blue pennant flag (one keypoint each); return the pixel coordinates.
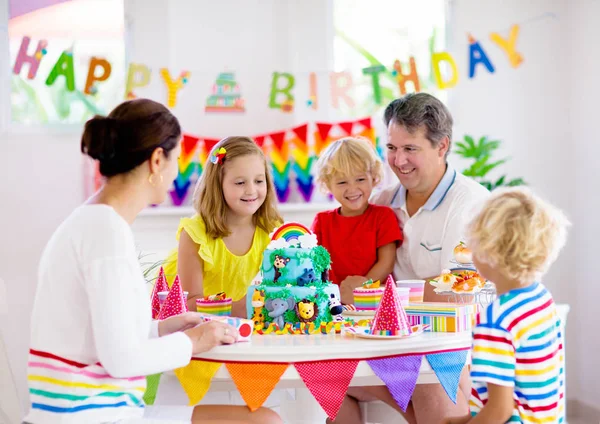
(448, 366)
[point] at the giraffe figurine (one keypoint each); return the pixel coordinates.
(258, 302)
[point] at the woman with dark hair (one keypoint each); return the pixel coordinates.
(92, 338)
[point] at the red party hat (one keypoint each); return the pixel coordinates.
(174, 303)
(390, 317)
(160, 285)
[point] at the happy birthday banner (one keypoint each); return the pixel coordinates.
(226, 94)
(291, 153)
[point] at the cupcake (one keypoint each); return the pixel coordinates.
(463, 254)
(217, 304)
(367, 297)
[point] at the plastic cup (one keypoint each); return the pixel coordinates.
(416, 289)
(403, 295)
(162, 296)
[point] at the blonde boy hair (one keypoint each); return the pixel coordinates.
(347, 157)
(209, 200)
(517, 233)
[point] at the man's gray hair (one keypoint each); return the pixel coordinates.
(416, 110)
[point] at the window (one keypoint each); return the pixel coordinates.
(84, 29)
(372, 33)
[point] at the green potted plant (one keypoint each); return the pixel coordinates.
(480, 153)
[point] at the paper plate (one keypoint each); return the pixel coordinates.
(364, 332)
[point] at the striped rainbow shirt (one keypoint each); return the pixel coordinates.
(66, 391)
(518, 343)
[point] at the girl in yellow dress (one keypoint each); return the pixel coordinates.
(221, 247)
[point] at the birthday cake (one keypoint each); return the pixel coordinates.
(225, 96)
(295, 291)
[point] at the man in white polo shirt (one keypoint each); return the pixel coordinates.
(433, 203)
(432, 200)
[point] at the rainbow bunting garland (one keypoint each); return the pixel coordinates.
(290, 152)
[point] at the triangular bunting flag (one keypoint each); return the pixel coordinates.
(323, 129)
(185, 172)
(447, 367)
(306, 190)
(195, 378)
(188, 145)
(259, 140)
(208, 145)
(300, 145)
(399, 374)
(301, 132)
(174, 303)
(255, 382)
(301, 158)
(365, 122)
(151, 388)
(346, 127)
(328, 382)
(179, 193)
(278, 139)
(159, 286)
(390, 318)
(283, 193)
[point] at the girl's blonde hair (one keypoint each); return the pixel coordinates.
(517, 233)
(347, 157)
(209, 200)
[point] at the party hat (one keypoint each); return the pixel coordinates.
(160, 285)
(175, 303)
(390, 317)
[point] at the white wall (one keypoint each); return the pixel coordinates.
(582, 177)
(543, 111)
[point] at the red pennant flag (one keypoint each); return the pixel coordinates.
(365, 122)
(278, 139)
(328, 382)
(259, 140)
(301, 132)
(324, 129)
(209, 143)
(346, 127)
(189, 144)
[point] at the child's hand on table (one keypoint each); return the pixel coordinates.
(347, 288)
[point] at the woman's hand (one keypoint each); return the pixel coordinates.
(177, 323)
(458, 420)
(208, 335)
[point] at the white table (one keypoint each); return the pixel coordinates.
(301, 348)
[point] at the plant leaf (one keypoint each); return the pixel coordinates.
(516, 182)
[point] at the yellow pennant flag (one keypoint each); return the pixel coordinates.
(195, 378)
(255, 382)
(301, 158)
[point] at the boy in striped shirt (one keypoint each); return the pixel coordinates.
(517, 370)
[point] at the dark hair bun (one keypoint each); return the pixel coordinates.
(99, 138)
(129, 135)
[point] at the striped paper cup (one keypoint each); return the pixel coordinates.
(416, 289)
